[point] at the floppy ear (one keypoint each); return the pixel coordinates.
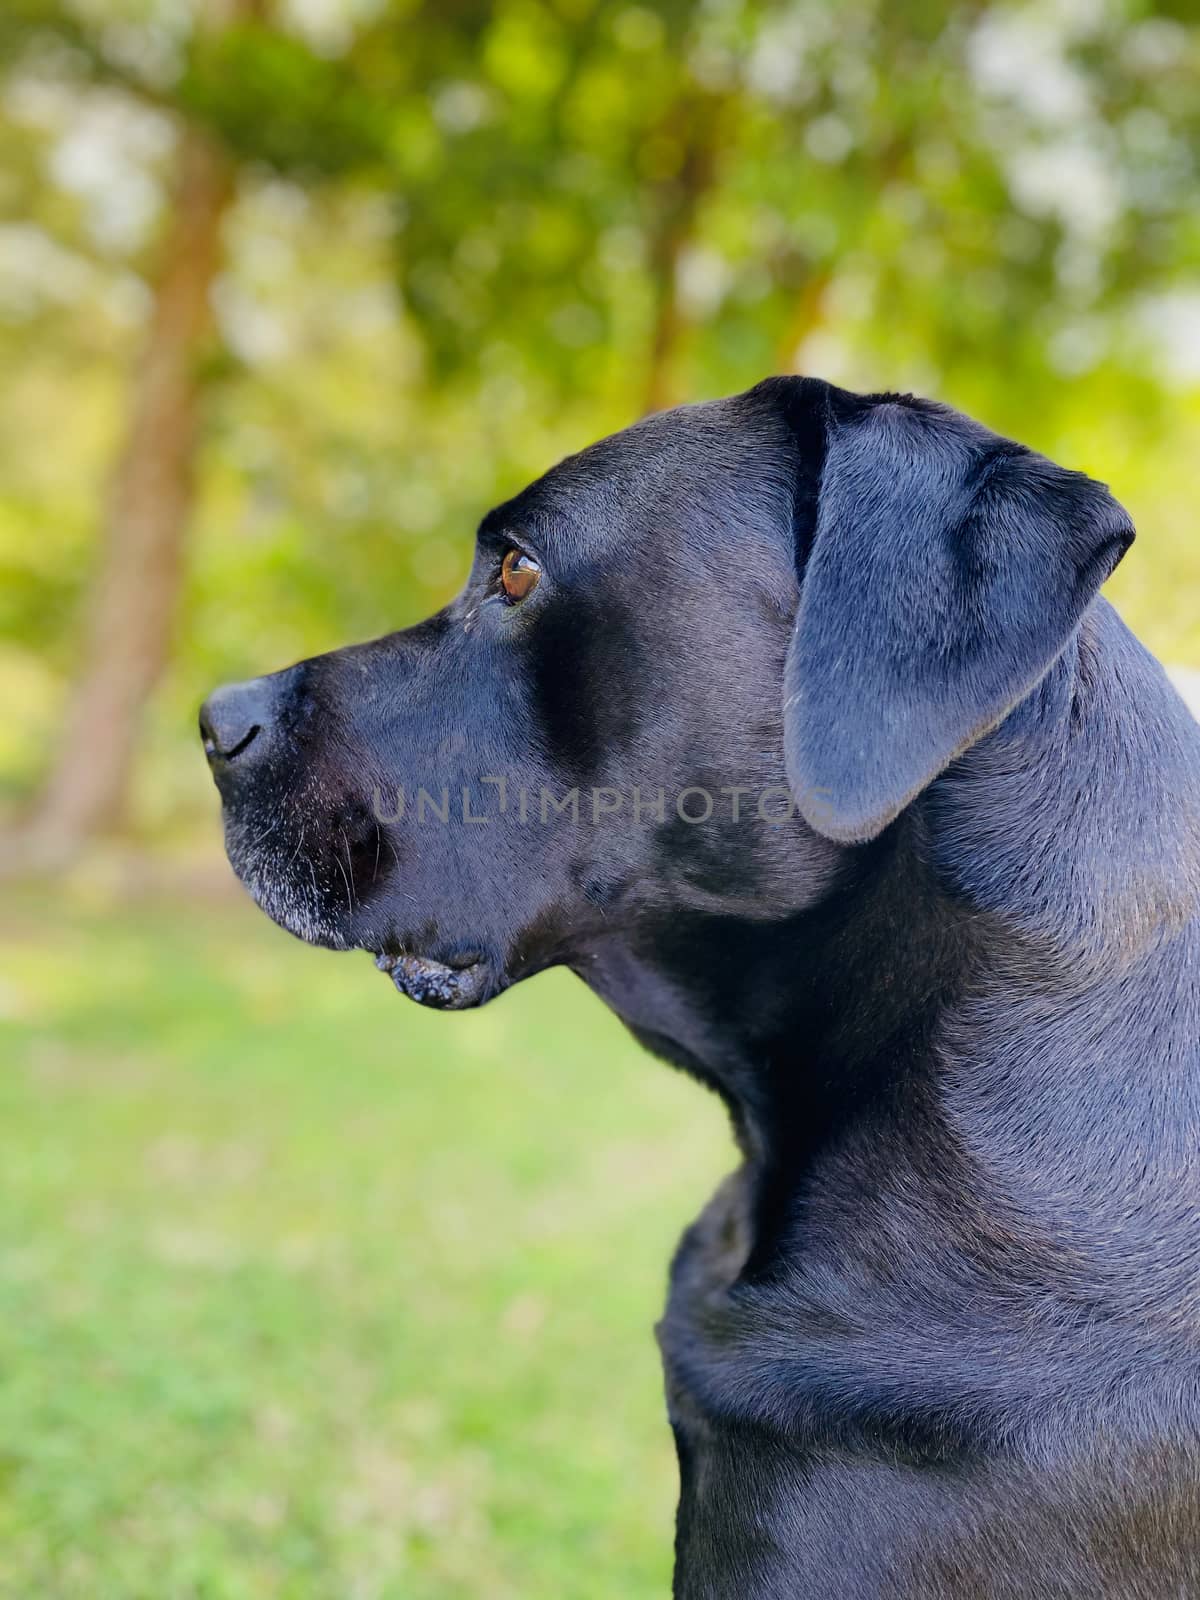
(947, 570)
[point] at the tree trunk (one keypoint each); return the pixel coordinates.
(804, 316)
(676, 204)
(136, 590)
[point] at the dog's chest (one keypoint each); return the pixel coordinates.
(698, 1326)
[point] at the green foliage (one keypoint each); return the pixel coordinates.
(274, 101)
(470, 237)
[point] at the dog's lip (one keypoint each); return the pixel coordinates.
(443, 985)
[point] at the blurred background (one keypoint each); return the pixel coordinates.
(304, 1292)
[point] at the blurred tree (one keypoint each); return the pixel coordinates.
(971, 174)
(592, 208)
(243, 91)
(135, 590)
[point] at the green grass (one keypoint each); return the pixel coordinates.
(305, 1292)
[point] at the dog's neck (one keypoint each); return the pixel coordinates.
(800, 1023)
(1035, 881)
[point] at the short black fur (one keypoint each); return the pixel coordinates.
(938, 1336)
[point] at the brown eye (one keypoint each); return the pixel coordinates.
(519, 575)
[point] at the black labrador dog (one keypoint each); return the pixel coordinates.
(793, 724)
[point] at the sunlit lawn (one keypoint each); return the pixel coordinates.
(306, 1292)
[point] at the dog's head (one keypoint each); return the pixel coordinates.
(689, 666)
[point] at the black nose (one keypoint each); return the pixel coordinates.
(235, 720)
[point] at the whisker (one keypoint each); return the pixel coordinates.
(345, 878)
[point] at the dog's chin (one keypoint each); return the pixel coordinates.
(438, 984)
(466, 978)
